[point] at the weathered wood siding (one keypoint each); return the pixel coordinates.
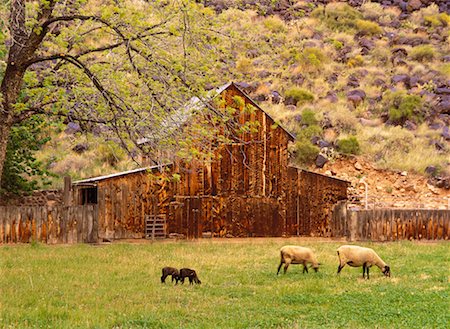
(124, 201)
(311, 198)
(233, 216)
(392, 224)
(242, 192)
(57, 224)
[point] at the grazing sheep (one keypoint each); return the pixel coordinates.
(166, 271)
(297, 255)
(356, 256)
(188, 273)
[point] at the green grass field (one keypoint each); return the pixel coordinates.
(118, 286)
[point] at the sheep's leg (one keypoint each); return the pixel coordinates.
(367, 270)
(279, 267)
(163, 278)
(340, 267)
(305, 268)
(286, 265)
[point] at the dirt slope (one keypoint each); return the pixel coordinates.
(386, 188)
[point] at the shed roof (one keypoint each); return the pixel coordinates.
(319, 174)
(123, 173)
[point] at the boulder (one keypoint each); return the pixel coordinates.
(80, 148)
(332, 96)
(410, 125)
(442, 91)
(356, 96)
(401, 78)
(321, 160)
(276, 97)
(72, 128)
(322, 144)
(413, 5)
(353, 81)
(446, 133)
(431, 170)
(291, 108)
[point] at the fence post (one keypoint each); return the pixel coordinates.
(67, 189)
(352, 225)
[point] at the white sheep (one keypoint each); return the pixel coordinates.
(297, 255)
(356, 256)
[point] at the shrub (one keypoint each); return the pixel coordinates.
(349, 145)
(403, 106)
(309, 117)
(368, 28)
(358, 60)
(298, 96)
(275, 24)
(371, 10)
(305, 152)
(340, 16)
(311, 59)
(244, 65)
(310, 131)
(422, 53)
(442, 19)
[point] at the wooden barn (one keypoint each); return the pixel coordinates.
(247, 189)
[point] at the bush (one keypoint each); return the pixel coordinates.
(311, 131)
(368, 28)
(349, 145)
(312, 56)
(309, 117)
(372, 10)
(358, 60)
(305, 152)
(403, 106)
(422, 53)
(298, 96)
(275, 24)
(340, 16)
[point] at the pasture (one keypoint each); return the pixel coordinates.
(118, 286)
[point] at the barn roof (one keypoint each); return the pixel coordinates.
(183, 114)
(123, 173)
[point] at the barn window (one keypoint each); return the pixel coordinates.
(88, 195)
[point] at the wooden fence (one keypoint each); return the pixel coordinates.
(391, 224)
(60, 224)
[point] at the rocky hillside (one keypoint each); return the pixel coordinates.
(353, 80)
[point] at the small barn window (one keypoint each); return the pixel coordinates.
(88, 195)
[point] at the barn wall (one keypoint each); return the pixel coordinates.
(231, 216)
(255, 164)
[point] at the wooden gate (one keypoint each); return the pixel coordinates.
(185, 217)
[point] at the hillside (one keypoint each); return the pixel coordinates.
(359, 78)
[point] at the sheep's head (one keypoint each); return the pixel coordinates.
(386, 270)
(315, 267)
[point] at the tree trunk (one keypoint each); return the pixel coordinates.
(10, 89)
(5, 129)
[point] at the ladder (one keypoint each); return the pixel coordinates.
(155, 227)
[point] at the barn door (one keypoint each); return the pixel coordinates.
(193, 215)
(185, 217)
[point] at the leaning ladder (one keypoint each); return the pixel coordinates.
(155, 227)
